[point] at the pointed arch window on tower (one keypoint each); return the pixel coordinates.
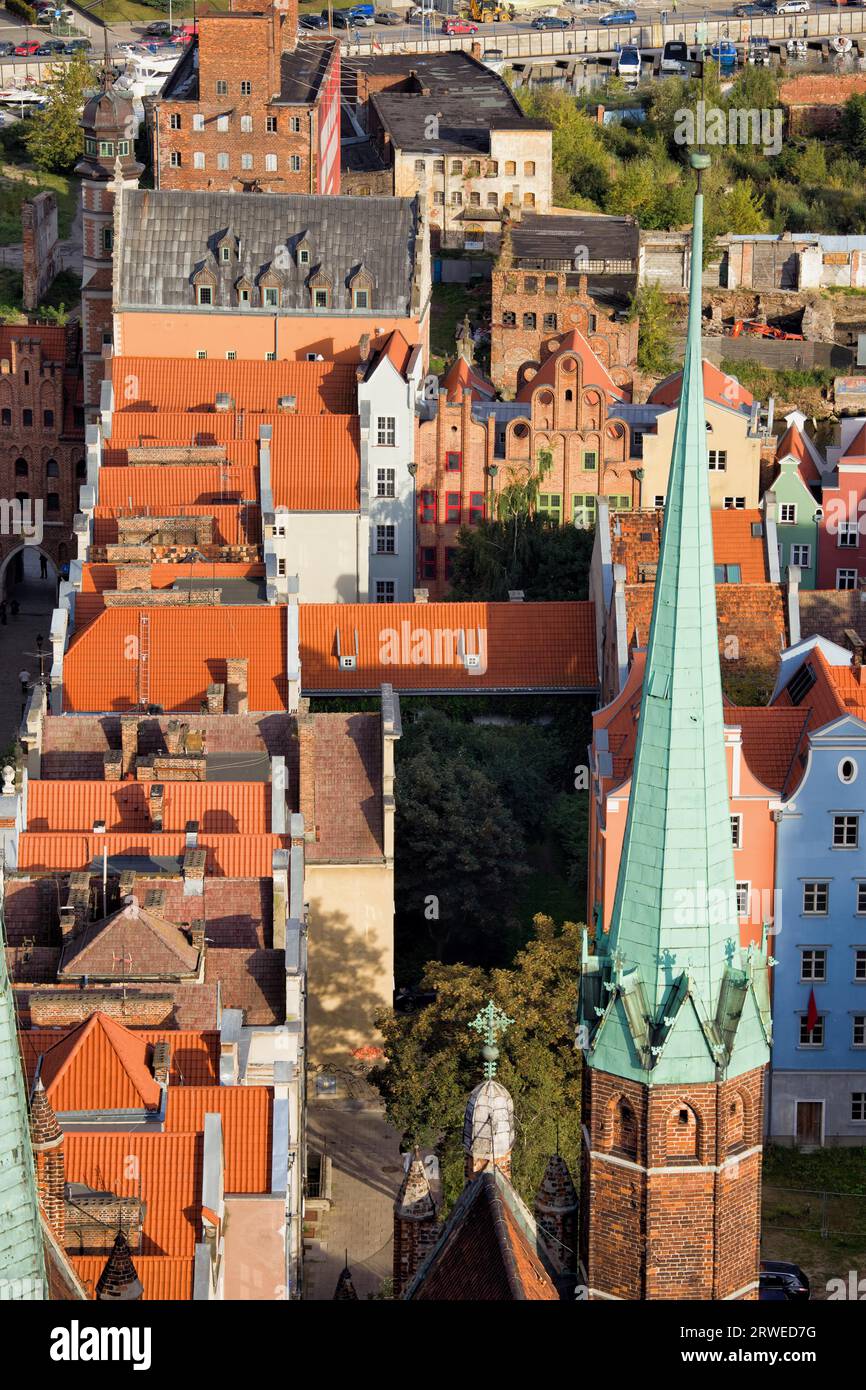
(682, 1134)
(623, 1132)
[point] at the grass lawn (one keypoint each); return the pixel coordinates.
(807, 1193)
(129, 12)
(65, 291)
(451, 303)
(18, 182)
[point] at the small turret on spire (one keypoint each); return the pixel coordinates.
(415, 1226)
(119, 1281)
(488, 1125)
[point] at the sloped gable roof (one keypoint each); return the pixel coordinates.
(100, 1065)
(794, 445)
(130, 944)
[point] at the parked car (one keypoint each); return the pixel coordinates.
(793, 7)
(26, 50)
(388, 17)
(45, 16)
(619, 17)
(749, 11)
(360, 21)
(52, 46)
(160, 29)
(314, 21)
(549, 21)
(781, 1282)
(77, 46)
(628, 65)
(458, 26)
(6, 50)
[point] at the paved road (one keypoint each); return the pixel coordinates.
(36, 598)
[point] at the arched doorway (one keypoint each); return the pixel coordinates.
(29, 574)
(28, 596)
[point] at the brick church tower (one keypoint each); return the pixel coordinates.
(108, 163)
(675, 1015)
(46, 1137)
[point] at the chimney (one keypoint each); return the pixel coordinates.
(196, 934)
(192, 834)
(156, 804)
(128, 742)
(236, 685)
(364, 349)
(194, 861)
(161, 1063)
(47, 1139)
(68, 921)
(854, 643)
(174, 737)
(215, 699)
(421, 595)
(112, 765)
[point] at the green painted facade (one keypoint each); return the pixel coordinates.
(791, 491)
(22, 1267)
(668, 997)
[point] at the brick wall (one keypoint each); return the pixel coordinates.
(531, 309)
(814, 103)
(684, 1230)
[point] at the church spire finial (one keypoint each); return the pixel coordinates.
(490, 1022)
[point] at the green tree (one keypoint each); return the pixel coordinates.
(853, 125)
(655, 347)
(55, 139)
(582, 164)
(742, 209)
(434, 1057)
(547, 561)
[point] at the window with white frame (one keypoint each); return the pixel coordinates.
(386, 482)
(386, 431)
(246, 161)
(788, 513)
(246, 125)
(814, 1036)
(270, 163)
(222, 161)
(386, 540)
(858, 1030)
(861, 898)
(174, 159)
(743, 892)
(848, 535)
(816, 897)
(801, 555)
(737, 832)
(295, 124)
(222, 123)
(718, 460)
(270, 125)
(201, 355)
(813, 963)
(231, 355)
(295, 163)
(845, 832)
(846, 579)
(198, 159)
(860, 964)
(659, 500)
(385, 590)
(858, 1105)
(198, 121)
(735, 504)
(270, 297)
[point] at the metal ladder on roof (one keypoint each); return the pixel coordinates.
(143, 660)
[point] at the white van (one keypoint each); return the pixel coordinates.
(628, 66)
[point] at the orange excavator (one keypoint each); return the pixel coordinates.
(754, 329)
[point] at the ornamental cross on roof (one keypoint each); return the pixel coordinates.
(490, 1022)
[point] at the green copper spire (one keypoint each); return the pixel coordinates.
(22, 1269)
(490, 1022)
(657, 998)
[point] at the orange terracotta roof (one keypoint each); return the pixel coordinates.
(221, 808)
(227, 856)
(99, 577)
(187, 651)
(194, 1054)
(636, 536)
(233, 525)
(461, 377)
(159, 489)
(718, 387)
(594, 371)
(792, 442)
(100, 1065)
(164, 1169)
(315, 459)
(162, 1277)
(545, 646)
(247, 1123)
(856, 451)
(50, 337)
(754, 614)
(185, 383)
(397, 351)
(771, 737)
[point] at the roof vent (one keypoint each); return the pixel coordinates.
(287, 404)
(223, 402)
(348, 663)
(757, 529)
(472, 661)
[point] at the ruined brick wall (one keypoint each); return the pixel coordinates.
(814, 102)
(669, 1209)
(530, 312)
(40, 248)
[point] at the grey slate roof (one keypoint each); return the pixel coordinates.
(540, 237)
(168, 236)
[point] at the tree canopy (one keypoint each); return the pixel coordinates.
(547, 561)
(55, 139)
(434, 1058)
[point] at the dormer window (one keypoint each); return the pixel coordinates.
(361, 299)
(106, 149)
(204, 286)
(204, 294)
(361, 288)
(270, 296)
(225, 254)
(320, 299)
(305, 255)
(245, 292)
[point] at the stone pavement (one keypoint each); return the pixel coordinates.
(36, 598)
(366, 1173)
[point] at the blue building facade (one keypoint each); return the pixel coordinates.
(818, 1080)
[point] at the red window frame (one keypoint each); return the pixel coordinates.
(452, 506)
(477, 507)
(427, 506)
(428, 562)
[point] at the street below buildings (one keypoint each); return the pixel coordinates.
(18, 649)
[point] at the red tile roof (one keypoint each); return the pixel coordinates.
(187, 651)
(718, 387)
(755, 615)
(99, 577)
(397, 351)
(161, 489)
(856, 451)
(771, 737)
(233, 525)
(130, 944)
(247, 1122)
(162, 1277)
(184, 383)
(636, 536)
(838, 690)
(792, 442)
(165, 1170)
(343, 807)
(227, 856)
(544, 646)
(194, 1053)
(50, 337)
(221, 808)
(461, 377)
(594, 371)
(100, 1065)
